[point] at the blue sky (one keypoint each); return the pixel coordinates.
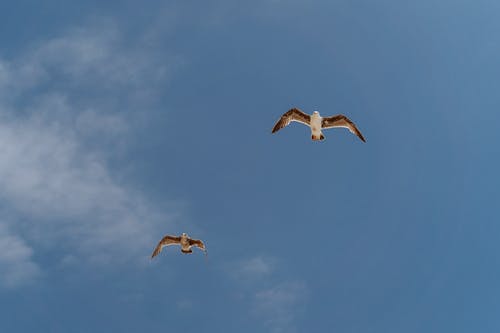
(121, 123)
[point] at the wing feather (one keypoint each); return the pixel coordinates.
(292, 115)
(342, 121)
(165, 241)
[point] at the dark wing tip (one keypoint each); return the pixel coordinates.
(278, 125)
(157, 250)
(356, 130)
(358, 133)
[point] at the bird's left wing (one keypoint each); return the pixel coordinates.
(342, 121)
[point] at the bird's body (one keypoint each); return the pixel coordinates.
(185, 242)
(316, 123)
(185, 246)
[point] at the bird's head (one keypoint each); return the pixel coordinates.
(316, 112)
(184, 234)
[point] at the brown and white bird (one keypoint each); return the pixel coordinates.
(183, 240)
(316, 123)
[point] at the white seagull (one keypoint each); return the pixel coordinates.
(316, 123)
(183, 240)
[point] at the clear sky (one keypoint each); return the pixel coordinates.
(120, 123)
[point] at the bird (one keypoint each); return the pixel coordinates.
(316, 123)
(183, 240)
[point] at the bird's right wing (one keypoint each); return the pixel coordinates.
(165, 241)
(198, 243)
(292, 115)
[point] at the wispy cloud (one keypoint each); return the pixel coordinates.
(184, 304)
(59, 96)
(99, 54)
(253, 268)
(275, 297)
(280, 305)
(16, 264)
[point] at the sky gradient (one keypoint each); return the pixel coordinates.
(121, 123)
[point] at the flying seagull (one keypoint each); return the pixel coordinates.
(317, 123)
(183, 240)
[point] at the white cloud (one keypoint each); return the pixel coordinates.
(280, 305)
(96, 63)
(59, 96)
(16, 265)
(99, 55)
(276, 304)
(253, 268)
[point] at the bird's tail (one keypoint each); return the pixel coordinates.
(319, 137)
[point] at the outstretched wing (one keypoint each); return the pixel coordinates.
(292, 115)
(198, 243)
(342, 121)
(165, 241)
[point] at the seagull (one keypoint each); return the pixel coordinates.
(183, 240)
(316, 123)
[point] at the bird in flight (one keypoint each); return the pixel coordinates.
(183, 240)
(317, 123)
